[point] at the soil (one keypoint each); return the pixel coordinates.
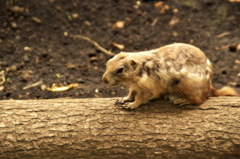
(35, 46)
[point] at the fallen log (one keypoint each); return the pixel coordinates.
(95, 128)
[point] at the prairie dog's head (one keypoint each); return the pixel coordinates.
(120, 69)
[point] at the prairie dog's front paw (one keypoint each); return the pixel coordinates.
(128, 106)
(127, 99)
(119, 102)
(123, 100)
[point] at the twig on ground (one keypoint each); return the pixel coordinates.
(94, 43)
(226, 33)
(221, 47)
(232, 47)
(33, 85)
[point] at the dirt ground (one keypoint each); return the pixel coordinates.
(34, 45)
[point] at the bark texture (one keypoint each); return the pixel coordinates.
(95, 128)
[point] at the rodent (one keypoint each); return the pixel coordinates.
(181, 72)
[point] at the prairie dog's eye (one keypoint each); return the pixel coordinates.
(119, 70)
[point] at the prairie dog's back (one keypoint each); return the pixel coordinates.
(175, 60)
(182, 57)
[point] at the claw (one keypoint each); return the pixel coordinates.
(119, 102)
(121, 106)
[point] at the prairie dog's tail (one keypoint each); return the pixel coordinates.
(225, 91)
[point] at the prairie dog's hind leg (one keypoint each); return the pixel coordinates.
(181, 101)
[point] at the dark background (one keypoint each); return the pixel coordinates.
(56, 58)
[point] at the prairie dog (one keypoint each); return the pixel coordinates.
(180, 72)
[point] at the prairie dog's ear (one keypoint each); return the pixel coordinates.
(133, 64)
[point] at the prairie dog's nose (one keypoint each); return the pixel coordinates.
(104, 79)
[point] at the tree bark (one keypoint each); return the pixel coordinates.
(95, 128)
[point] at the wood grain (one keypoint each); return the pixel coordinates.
(95, 128)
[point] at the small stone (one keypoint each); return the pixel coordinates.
(59, 8)
(36, 20)
(26, 58)
(175, 34)
(18, 37)
(25, 75)
(96, 91)
(136, 7)
(94, 58)
(138, 3)
(27, 48)
(191, 41)
(237, 62)
(174, 21)
(95, 68)
(71, 66)
(74, 15)
(14, 25)
(65, 33)
(158, 4)
(175, 11)
(13, 68)
(166, 7)
(1, 88)
(17, 9)
(43, 87)
(87, 23)
(51, 1)
(119, 24)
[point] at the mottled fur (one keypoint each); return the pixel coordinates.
(180, 72)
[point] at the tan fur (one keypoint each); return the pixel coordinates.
(180, 72)
(225, 91)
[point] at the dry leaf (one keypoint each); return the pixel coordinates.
(62, 88)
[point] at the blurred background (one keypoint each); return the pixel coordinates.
(36, 50)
